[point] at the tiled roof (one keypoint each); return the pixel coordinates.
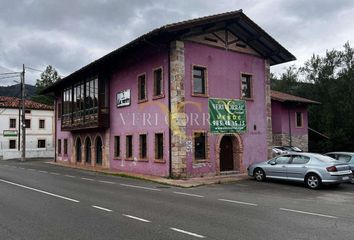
(14, 102)
(284, 97)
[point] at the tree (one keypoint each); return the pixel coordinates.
(328, 79)
(288, 80)
(48, 77)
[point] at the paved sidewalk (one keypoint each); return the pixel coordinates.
(186, 183)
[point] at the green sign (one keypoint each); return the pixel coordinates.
(227, 116)
(10, 133)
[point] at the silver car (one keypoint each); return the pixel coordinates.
(347, 157)
(311, 168)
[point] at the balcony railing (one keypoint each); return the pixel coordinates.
(86, 119)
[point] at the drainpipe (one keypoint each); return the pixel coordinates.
(169, 111)
(290, 140)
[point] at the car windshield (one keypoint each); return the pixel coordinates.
(296, 149)
(280, 148)
(287, 148)
(324, 158)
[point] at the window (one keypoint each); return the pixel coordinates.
(142, 88)
(199, 145)
(59, 111)
(79, 99)
(300, 159)
(65, 146)
(59, 146)
(246, 86)
(28, 123)
(42, 123)
(12, 122)
(66, 107)
(199, 80)
(158, 83)
(332, 155)
(298, 116)
(159, 146)
(41, 143)
(80, 103)
(12, 144)
(91, 96)
(129, 147)
(282, 160)
(142, 146)
(117, 146)
(344, 158)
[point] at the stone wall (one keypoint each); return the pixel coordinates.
(300, 141)
(268, 105)
(178, 120)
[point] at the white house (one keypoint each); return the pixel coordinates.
(39, 129)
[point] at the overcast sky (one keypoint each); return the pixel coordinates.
(69, 34)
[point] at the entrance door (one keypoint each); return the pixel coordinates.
(88, 150)
(226, 154)
(99, 151)
(78, 150)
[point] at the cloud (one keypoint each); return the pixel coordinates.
(70, 34)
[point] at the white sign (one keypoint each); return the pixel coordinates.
(189, 146)
(123, 98)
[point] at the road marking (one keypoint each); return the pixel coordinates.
(54, 173)
(40, 191)
(102, 181)
(31, 169)
(71, 176)
(136, 218)
(88, 179)
(186, 232)
(238, 202)
(102, 208)
(134, 186)
(43, 171)
(189, 194)
(308, 213)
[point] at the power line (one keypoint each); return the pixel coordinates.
(34, 69)
(9, 73)
(9, 77)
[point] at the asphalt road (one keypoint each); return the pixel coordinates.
(42, 201)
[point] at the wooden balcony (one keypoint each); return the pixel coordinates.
(86, 119)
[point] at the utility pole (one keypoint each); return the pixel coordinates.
(23, 155)
(19, 122)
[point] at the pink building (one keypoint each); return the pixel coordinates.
(290, 120)
(143, 108)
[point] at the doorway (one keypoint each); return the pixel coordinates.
(226, 154)
(99, 151)
(88, 150)
(78, 150)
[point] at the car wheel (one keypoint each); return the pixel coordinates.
(313, 181)
(259, 174)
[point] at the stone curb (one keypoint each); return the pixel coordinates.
(185, 183)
